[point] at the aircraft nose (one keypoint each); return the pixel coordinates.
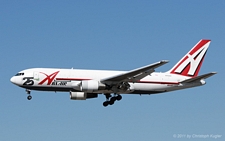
(13, 80)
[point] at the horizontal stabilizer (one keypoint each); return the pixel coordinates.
(198, 78)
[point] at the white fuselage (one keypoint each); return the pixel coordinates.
(49, 79)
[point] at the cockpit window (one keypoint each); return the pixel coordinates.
(19, 74)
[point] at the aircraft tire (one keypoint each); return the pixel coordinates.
(111, 102)
(105, 104)
(113, 99)
(29, 97)
(119, 97)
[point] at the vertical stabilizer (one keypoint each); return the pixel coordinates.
(191, 63)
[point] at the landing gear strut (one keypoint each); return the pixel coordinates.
(29, 97)
(111, 100)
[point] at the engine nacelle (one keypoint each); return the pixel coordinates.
(82, 95)
(91, 85)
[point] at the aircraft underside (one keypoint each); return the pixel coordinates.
(79, 95)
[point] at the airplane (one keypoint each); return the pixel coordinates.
(86, 84)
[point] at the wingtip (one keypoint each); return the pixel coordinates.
(165, 61)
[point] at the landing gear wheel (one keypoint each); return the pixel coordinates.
(113, 99)
(111, 102)
(119, 97)
(105, 104)
(29, 97)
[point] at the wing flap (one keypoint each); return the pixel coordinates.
(135, 74)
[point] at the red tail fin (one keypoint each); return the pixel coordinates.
(191, 63)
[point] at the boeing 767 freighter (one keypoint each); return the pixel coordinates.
(86, 84)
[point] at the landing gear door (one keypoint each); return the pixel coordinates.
(36, 75)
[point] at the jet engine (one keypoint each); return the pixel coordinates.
(91, 85)
(82, 95)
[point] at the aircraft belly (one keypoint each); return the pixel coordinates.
(149, 87)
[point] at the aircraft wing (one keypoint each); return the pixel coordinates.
(198, 78)
(134, 75)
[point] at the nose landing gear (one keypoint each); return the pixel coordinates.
(29, 97)
(111, 100)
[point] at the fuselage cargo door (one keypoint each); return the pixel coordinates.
(36, 75)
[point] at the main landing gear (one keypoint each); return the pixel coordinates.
(111, 100)
(29, 97)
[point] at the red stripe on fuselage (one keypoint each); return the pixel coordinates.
(73, 79)
(154, 82)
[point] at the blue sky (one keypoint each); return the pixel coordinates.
(114, 35)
